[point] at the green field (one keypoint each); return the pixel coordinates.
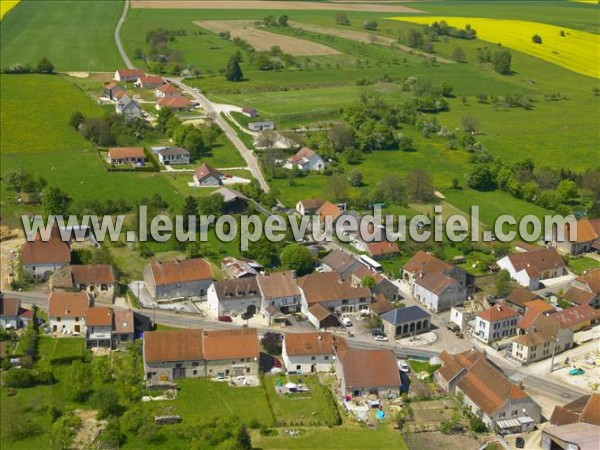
(74, 35)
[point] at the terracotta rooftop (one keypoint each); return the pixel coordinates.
(124, 322)
(309, 344)
(131, 72)
(175, 102)
(319, 312)
(167, 87)
(184, 271)
(205, 170)
(304, 153)
(435, 282)
(370, 368)
(312, 203)
(327, 286)
(584, 409)
(46, 252)
(278, 285)
(383, 248)
(237, 289)
(93, 274)
(497, 312)
(152, 79)
(170, 346)
(231, 344)
(125, 152)
(584, 288)
(9, 307)
(329, 209)
(68, 304)
(453, 364)
(340, 261)
(426, 262)
(574, 316)
(99, 316)
(587, 231)
(536, 262)
(520, 295)
(380, 305)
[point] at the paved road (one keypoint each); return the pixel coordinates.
(126, 59)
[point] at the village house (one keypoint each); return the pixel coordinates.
(128, 107)
(575, 425)
(463, 317)
(519, 296)
(149, 82)
(543, 338)
(487, 392)
(584, 290)
(381, 249)
(111, 89)
(305, 159)
(280, 293)
(249, 112)
(495, 323)
(584, 409)
(529, 268)
(128, 75)
(311, 352)
(40, 259)
(380, 305)
(171, 355)
(98, 280)
(309, 206)
(331, 292)
(322, 318)
(206, 175)
(381, 285)
(533, 309)
(99, 325)
(170, 156)
(364, 372)
(178, 279)
(167, 90)
(126, 155)
(577, 318)
(586, 239)
(328, 212)
(261, 126)
(174, 103)
(123, 331)
(240, 268)
(408, 321)
(344, 263)
(234, 297)
(436, 284)
(67, 311)
(12, 315)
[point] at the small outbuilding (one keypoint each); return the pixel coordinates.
(407, 321)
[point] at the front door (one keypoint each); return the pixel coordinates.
(77, 328)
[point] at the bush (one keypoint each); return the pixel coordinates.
(536, 39)
(19, 378)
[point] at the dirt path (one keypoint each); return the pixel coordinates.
(13, 240)
(273, 5)
(90, 428)
(368, 38)
(263, 40)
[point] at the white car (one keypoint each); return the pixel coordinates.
(381, 338)
(403, 366)
(346, 322)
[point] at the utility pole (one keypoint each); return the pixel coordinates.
(553, 351)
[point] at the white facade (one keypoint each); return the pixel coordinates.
(261, 126)
(68, 325)
(234, 306)
(308, 364)
(461, 317)
(489, 331)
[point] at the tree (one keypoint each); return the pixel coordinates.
(163, 117)
(297, 257)
(272, 342)
(194, 142)
(458, 55)
(501, 62)
(536, 39)
(355, 177)
(370, 25)
(283, 21)
(55, 201)
(470, 123)
(337, 188)
(341, 136)
(419, 184)
(567, 191)
(106, 401)
(212, 204)
(77, 118)
(45, 66)
(111, 436)
(78, 380)
(243, 440)
(481, 178)
(368, 282)
(503, 283)
(342, 19)
(392, 189)
(234, 71)
(414, 38)
(190, 208)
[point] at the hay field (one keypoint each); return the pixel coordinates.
(6, 6)
(263, 40)
(577, 51)
(272, 5)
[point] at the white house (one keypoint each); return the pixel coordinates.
(309, 206)
(334, 294)
(173, 155)
(206, 175)
(126, 155)
(129, 75)
(149, 82)
(279, 292)
(11, 313)
(234, 297)
(495, 323)
(40, 259)
(305, 159)
(67, 311)
(529, 268)
(309, 352)
(261, 126)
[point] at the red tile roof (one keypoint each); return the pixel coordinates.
(497, 312)
(584, 409)
(175, 102)
(170, 346)
(426, 262)
(536, 262)
(40, 252)
(383, 248)
(68, 304)
(587, 231)
(327, 286)
(308, 344)
(93, 274)
(151, 79)
(312, 203)
(124, 322)
(167, 87)
(328, 209)
(369, 368)
(99, 316)
(125, 152)
(520, 295)
(9, 307)
(278, 285)
(184, 271)
(205, 170)
(125, 73)
(571, 317)
(231, 344)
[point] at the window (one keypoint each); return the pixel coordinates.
(515, 413)
(247, 369)
(194, 372)
(344, 302)
(502, 415)
(194, 364)
(298, 367)
(312, 358)
(76, 319)
(326, 358)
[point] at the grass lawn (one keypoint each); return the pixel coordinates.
(582, 264)
(301, 408)
(74, 35)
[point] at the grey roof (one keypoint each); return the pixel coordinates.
(230, 194)
(173, 151)
(237, 289)
(402, 315)
(341, 262)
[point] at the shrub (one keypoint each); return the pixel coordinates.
(19, 378)
(536, 39)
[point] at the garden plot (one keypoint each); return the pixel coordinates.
(263, 40)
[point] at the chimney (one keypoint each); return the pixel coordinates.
(499, 308)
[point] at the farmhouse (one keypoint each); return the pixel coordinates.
(341, 262)
(381, 249)
(11, 313)
(111, 89)
(584, 290)
(205, 175)
(518, 297)
(408, 321)
(305, 159)
(584, 409)
(328, 212)
(99, 326)
(336, 295)
(128, 75)
(177, 279)
(541, 339)
(250, 112)
(149, 82)
(67, 311)
(279, 292)
(309, 206)
(174, 103)
(128, 107)
(261, 126)
(171, 355)
(577, 317)
(311, 352)
(40, 259)
(529, 268)
(240, 268)
(586, 239)
(167, 90)
(435, 283)
(321, 317)
(98, 280)
(123, 331)
(126, 155)
(487, 392)
(381, 285)
(234, 297)
(495, 323)
(363, 372)
(173, 155)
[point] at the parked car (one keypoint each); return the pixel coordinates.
(225, 319)
(403, 366)
(520, 442)
(381, 338)
(376, 332)
(346, 322)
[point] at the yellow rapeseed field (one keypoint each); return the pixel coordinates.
(576, 50)
(6, 6)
